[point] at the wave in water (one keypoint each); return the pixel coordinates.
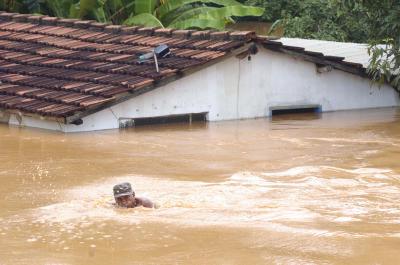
(296, 200)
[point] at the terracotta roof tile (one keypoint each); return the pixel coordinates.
(57, 67)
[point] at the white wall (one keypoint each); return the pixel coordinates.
(290, 81)
(237, 89)
(36, 123)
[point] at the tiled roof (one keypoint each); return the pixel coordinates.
(65, 68)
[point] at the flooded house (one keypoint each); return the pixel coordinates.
(72, 75)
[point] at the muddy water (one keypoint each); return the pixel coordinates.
(293, 190)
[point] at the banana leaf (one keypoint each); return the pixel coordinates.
(59, 8)
(229, 11)
(199, 24)
(144, 19)
(74, 11)
(112, 6)
(99, 15)
(33, 6)
(221, 14)
(90, 7)
(190, 13)
(171, 5)
(171, 16)
(145, 6)
(125, 10)
(11, 6)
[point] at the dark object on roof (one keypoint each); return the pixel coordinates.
(162, 51)
(65, 69)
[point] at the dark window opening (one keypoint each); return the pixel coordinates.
(184, 118)
(295, 110)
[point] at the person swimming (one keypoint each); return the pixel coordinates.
(125, 197)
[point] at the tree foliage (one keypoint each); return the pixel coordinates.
(183, 14)
(366, 21)
(384, 27)
(315, 19)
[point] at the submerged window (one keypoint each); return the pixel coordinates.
(182, 118)
(280, 110)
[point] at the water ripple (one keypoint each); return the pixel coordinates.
(296, 200)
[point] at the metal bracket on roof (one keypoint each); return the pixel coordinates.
(323, 68)
(252, 49)
(77, 122)
(160, 51)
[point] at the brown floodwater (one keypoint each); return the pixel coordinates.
(296, 189)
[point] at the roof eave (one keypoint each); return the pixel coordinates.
(317, 58)
(19, 114)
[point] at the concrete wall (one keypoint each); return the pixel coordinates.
(238, 89)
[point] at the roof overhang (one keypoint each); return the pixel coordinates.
(318, 58)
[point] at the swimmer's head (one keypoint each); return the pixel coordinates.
(124, 195)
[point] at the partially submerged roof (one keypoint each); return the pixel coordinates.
(65, 69)
(349, 57)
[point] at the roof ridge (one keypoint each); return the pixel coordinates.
(111, 28)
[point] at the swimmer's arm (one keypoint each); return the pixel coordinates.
(146, 203)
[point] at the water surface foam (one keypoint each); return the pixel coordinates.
(294, 199)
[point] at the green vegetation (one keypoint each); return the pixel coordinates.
(182, 14)
(315, 19)
(365, 21)
(384, 37)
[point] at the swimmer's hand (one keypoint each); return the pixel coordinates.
(156, 205)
